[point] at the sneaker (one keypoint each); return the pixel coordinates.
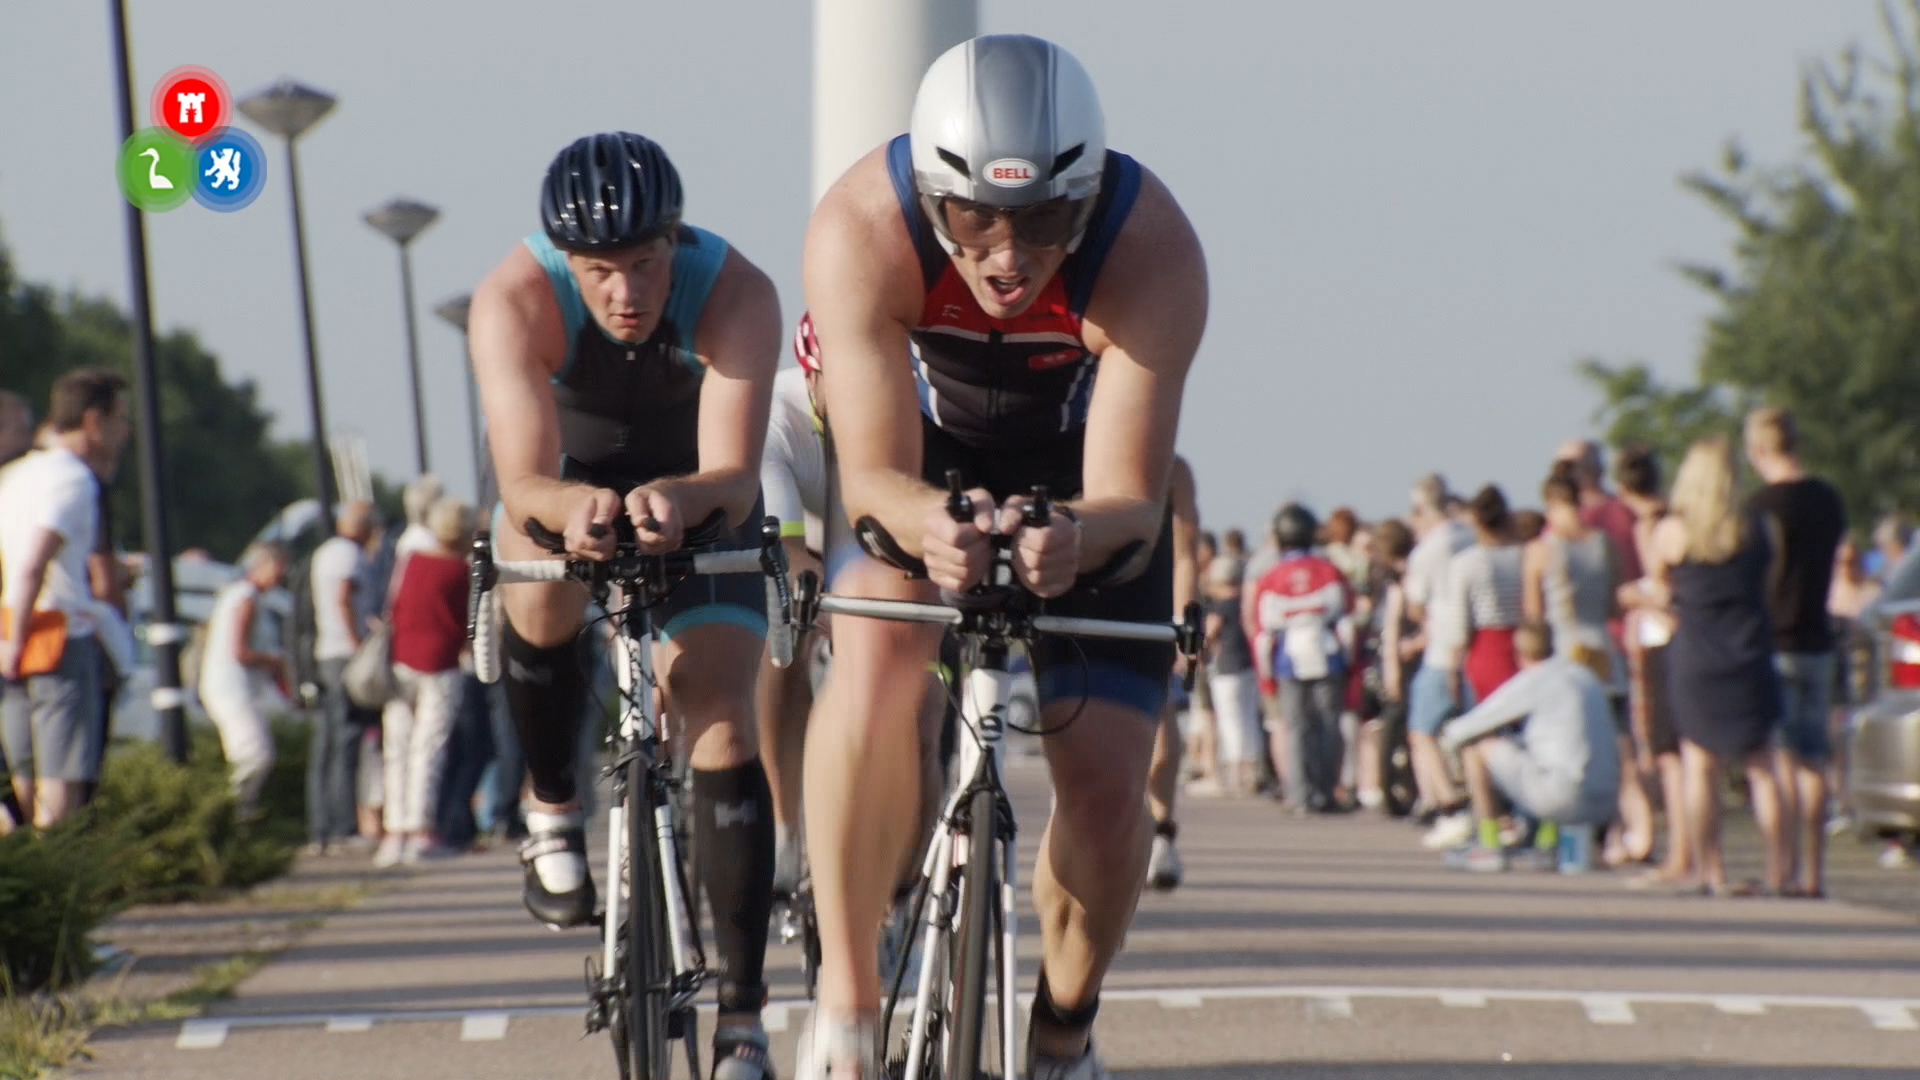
(1163, 865)
(1533, 858)
(391, 851)
(1897, 857)
(558, 889)
(1449, 831)
(741, 1053)
(1085, 1067)
(1208, 788)
(1486, 860)
(837, 1050)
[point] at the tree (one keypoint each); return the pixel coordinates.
(1820, 309)
(225, 476)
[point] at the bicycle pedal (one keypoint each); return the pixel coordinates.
(597, 920)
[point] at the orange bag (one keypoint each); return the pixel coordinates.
(46, 641)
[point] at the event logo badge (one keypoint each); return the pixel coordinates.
(232, 170)
(156, 170)
(192, 151)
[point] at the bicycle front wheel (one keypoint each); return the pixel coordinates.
(973, 952)
(649, 956)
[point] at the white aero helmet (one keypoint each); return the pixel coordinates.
(1009, 121)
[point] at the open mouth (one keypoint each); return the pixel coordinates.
(1008, 290)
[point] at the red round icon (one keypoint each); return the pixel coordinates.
(192, 102)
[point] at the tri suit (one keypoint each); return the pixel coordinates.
(1005, 401)
(630, 414)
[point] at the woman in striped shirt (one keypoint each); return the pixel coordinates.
(1487, 587)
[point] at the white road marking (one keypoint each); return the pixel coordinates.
(1602, 1007)
(1607, 1009)
(483, 1027)
(1888, 1016)
(201, 1035)
(1333, 1005)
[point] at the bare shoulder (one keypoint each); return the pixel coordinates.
(514, 304)
(740, 284)
(1157, 258)
(741, 322)
(858, 244)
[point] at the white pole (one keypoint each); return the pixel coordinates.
(868, 57)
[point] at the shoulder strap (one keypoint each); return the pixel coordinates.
(1119, 188)
(933, 260)
(573, 310)
(698, 256)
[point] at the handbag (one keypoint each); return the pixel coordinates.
(368, 676)
(46, 641)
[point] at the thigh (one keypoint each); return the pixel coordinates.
(1806, 685)
(1099, 754)
(736, 600)
(546, 614)
(1427, 701)
(65, 708)
(1132, 674)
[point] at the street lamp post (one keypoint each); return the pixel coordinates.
(288, 109)
(454, 311)
(401, 220)
(164, 633)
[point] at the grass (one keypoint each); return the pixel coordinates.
(52, 1030)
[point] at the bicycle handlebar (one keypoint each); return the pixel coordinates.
(630, 569)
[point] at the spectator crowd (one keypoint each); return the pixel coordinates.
(1582, 682)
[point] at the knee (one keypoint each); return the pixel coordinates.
(1094, 803)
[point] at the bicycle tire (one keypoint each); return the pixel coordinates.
(974, 946)
(649, 964)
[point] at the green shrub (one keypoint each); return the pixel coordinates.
(55, 889)
(156, 832)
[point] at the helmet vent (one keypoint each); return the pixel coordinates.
(1067, 157)
(959, 163)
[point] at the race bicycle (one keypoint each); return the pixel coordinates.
(964, 904)
(642, 987)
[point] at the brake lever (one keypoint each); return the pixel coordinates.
(959, 506)
(1191, 639)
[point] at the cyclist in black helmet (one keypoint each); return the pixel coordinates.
(625, 362)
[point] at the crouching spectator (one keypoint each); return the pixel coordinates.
(429, 632)
(235, 672)
(1561, 766)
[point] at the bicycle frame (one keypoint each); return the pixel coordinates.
(638, 732)
(980, 756)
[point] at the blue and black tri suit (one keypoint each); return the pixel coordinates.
(1005, 401)
(630, 414)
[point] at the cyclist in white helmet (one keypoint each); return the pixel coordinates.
(967, 281)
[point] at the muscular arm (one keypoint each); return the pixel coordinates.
(1145, 324)
(1186, 537)
(863, 287)
(28, 579)
(739, 338)
(517, 342)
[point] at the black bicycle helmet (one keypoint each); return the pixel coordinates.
(1295, 528)
(610, 191)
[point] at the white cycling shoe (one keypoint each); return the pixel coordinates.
(1163, 865)
(837, 1050)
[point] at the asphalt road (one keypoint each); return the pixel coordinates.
(1330, 948)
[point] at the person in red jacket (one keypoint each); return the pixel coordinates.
(1298, 623)
(429, 633)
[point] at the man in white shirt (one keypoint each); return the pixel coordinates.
(332, 768)
(1430, 700)
(49, 526)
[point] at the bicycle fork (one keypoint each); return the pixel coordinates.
(987, 694)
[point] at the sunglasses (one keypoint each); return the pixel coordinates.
(1050, 224)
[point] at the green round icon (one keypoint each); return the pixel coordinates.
(156, 170)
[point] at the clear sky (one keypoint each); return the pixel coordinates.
(1417, 216)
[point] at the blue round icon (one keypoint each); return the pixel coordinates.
(230, 171)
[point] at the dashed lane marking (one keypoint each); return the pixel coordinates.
(1602, 1007)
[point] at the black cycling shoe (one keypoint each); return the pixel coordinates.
(741, 1054)
(558, 910)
